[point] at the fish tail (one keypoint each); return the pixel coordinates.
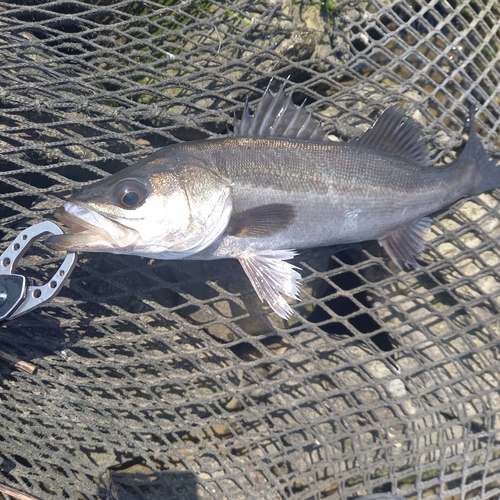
(486, 173)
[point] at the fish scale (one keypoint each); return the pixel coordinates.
(274, 185)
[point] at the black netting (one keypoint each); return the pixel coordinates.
(171, 375)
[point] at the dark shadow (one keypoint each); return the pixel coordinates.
(32, 336)
(133, 481)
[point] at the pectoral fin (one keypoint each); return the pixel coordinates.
(271, 277)
(406, 244)
(261, 222)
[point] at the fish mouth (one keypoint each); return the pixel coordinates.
(88, 230)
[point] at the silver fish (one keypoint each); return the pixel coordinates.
(274, 185)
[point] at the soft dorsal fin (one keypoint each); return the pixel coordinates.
(278, 117)
(397, 134)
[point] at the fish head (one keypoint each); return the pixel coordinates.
(161, 209)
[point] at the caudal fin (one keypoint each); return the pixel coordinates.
(487, 173)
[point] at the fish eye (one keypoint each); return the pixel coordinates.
(130, 194)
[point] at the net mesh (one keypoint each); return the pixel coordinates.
(172, 376)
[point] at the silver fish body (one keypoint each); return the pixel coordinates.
(275, 185)
(340, 193)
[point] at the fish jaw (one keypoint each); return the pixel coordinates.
(89, 231)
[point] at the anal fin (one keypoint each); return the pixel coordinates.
(405, 245)
(272, 278)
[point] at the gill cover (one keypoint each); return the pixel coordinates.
(185, 208)
(199, 207)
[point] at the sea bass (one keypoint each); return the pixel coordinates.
(274, 185)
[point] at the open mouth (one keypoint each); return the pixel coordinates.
(86, 231)
(75, 223)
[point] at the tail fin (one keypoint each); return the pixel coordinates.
(487, 173)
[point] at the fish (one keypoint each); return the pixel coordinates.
(273, 185)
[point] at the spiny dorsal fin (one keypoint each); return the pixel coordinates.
(397, 134)
(406, 244)
(278, 117)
